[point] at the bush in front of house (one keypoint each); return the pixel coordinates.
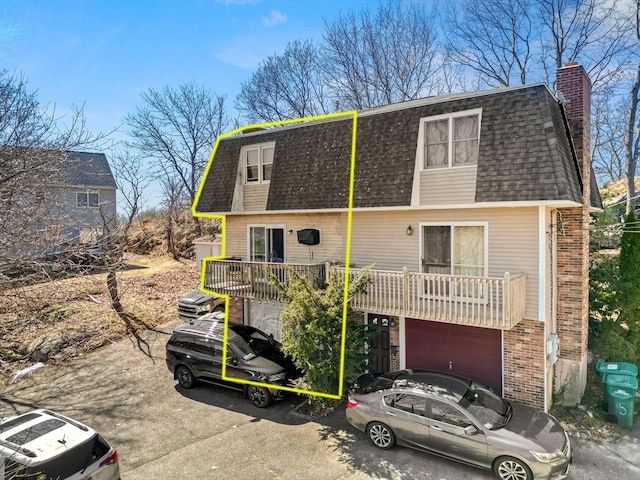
(312, 332)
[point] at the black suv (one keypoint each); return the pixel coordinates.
(194, 352)
(196, 303)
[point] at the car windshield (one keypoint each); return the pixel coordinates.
(490, 409)
(243, 349)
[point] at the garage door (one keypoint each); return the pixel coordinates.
(470, 351)
(264, 316)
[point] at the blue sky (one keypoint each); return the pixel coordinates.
(104, 53)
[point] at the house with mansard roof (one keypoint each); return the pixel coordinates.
(472, 210)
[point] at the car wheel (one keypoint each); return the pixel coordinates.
(381, 435)
(185, 377)
(508, 468)
(259, 396)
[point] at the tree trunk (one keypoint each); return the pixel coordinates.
(631, 150)
(112, 286)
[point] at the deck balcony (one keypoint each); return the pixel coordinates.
(489, 302)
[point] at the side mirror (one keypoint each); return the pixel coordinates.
(470, 430)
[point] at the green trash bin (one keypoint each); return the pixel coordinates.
(621, 405)
(621, 382)
(615, 382)
(618, 368)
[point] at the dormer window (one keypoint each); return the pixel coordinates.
(258, 162)
(451, 140)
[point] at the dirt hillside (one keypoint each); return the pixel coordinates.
(55, 321)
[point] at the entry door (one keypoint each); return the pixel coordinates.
(436, 259)
(379, 360)
(436, 245)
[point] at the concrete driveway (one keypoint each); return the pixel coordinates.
(164, 432)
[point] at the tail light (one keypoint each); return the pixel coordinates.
(111, 459)
(352, 403)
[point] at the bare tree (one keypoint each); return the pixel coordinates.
(510, 42)
(173, 203)
(376, 58)
(34, 145)
(493, 38)
(632, 134)
(285, 86)
(177, 128)
(608, 152)
(132, 179)
(596, 33)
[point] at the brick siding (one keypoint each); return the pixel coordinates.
(524, 369)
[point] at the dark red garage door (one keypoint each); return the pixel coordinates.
(470, 351)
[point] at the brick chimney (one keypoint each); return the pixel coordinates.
(574, 85)
(572, 244)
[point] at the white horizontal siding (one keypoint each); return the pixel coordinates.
(444, 186)
(380, 238)
(254, 197)
(333, 235)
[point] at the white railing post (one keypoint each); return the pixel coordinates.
(506, 303)
(405, 291)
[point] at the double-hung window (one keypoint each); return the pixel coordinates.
(451, 140)
(258, 162)
(87, 199)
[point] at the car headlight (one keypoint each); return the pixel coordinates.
(277, 377)
(202, 308)
(547, 457)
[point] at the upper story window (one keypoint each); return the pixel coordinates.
(87, 199)
(258, 162)
(451, 140)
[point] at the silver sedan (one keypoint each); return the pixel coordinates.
(459, 419)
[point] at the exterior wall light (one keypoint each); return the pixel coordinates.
(409, 230)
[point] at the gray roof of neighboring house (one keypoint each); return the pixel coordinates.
(88, 169)
(525, 155)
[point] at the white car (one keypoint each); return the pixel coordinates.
(44, 445)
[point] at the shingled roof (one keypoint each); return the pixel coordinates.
(525, 155)
(88, 169)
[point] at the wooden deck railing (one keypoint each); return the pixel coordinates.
(489, 302)
(253, 279)
(479, 301)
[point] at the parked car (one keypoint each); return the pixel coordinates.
(459, 419)
(196, 303)
(44, 445)
(268, 347)
(194, 353)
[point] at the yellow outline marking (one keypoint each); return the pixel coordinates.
(223, 227)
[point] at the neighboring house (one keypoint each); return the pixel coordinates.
(472, 208)
(70, 199)
(87, 198)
